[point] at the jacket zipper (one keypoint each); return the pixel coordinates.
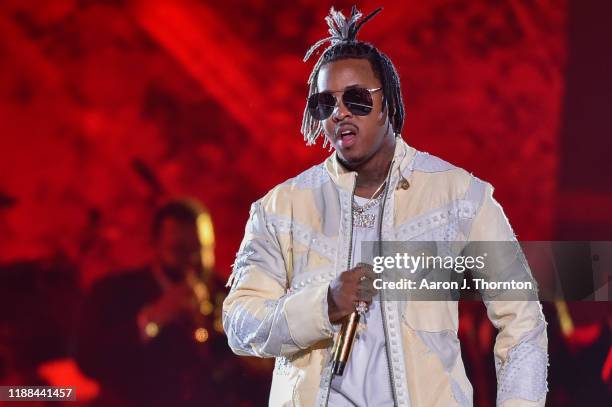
(382, 308)
(350, 255)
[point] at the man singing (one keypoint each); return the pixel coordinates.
(297, 275)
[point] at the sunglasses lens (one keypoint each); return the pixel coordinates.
(321, 105)
(358, 101)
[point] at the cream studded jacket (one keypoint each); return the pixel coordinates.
(297, 240)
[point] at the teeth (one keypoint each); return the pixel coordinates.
(345, 132)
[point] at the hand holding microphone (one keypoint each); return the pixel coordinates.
(350, 287)
(348, 296)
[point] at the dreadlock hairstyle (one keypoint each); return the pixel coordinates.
(343, 45)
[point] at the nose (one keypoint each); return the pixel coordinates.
(340, 111)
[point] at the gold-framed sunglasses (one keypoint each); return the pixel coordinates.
(358, 100)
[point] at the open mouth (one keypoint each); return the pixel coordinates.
(347, 136)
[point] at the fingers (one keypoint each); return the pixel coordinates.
(351, 287)
(366, 277)
(370, 274)
(365, 295)
(364, 269)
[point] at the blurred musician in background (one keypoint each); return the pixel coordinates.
(153, 336)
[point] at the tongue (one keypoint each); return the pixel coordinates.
(347, 139)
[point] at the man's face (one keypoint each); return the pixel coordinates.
(369, 131)
(178, 247)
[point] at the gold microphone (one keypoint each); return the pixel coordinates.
(346, 336)
(344, 343)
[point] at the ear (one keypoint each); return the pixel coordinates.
(389, 113)
(384, 109)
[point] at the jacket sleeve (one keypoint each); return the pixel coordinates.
(521, 345)
(261, 317)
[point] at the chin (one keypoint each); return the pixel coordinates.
(352, 158)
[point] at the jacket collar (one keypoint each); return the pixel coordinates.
(344, 178)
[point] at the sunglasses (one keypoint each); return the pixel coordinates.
(357, 100)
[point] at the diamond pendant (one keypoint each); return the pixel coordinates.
(363, 220)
